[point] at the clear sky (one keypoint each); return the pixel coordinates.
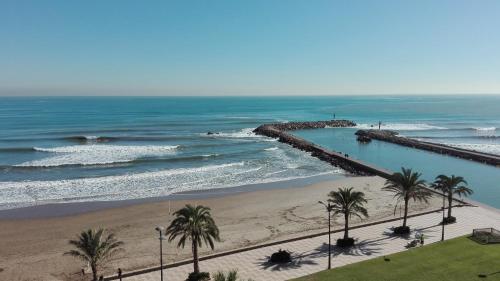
(252, 47)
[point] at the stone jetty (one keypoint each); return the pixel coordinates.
(337, 159)
(392, 137)
(291, 126)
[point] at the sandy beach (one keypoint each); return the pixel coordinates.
(32, 249)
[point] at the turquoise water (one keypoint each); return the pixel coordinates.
(484, 179)
(112, 148)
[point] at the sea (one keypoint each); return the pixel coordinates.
(87, 149)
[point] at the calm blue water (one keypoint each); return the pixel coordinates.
(85, 149)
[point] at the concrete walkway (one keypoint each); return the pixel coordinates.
(311, 255)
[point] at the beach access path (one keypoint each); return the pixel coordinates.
(311, 255)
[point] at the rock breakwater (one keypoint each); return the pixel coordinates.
(392, 137)
(336, 159)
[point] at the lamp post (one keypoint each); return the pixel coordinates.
(161, 231)
(443, 222)
(328, 210)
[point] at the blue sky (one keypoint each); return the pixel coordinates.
(249, 47)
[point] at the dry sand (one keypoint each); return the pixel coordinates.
(32, 249)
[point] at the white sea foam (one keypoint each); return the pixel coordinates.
(282, 121)
(148, 184)
(271, 148)
(210, 155)
(401, 126)
(111, 187)
(493, 148)
(243, 133)
(163, 182)
(485, 128)
(97, 154)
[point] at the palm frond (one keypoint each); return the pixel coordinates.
(346, 201)
(193, 223)
(92, 247)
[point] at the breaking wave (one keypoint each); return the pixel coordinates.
(96, 154)
(243, 133)
(246, 133)
(401, 126)
(143, 185)
(481, 147)
(485, 128)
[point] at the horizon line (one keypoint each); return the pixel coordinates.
(255, 95)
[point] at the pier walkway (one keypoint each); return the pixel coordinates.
(311, 255)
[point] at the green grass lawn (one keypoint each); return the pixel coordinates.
(459, 259)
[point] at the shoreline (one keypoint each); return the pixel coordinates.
(55, 210)
(244, 219)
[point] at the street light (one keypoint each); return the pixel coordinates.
(329, 210)
(161, 230)
(443, 222)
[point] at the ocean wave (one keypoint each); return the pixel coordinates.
(88, 138)
(127, 182)
(243, 133)
(191, 158)
(102, 131)
(139, 185)
(100, 139)
(97, 154)
(401, 126)
(246, 133)
(481, 147)
(17, 149)
(271, 148)
(106, 148)
(159, 183)
(485, 128)
(282, 121)
(481, 137)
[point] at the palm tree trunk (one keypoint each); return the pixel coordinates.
(450, 202)
(94, 272)
(406, 212)
(346, 227)
(196, 267)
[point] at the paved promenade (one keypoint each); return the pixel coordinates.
(311, 254)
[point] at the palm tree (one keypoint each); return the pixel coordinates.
(450, 186)
(194, 223)
(349, 203)
(407, 185)
(95, 248)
